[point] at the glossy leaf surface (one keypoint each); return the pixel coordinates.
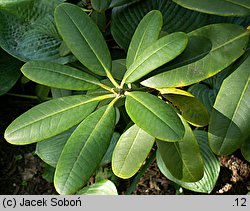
(228, 43)
(154, 116)
(104, 187)
(183, 158)
(131, 151)
(192, 110)
(218, 7)
(89, 142)
(83, 38)
(59, 76)
(49, 119)
(166, 48)
(147, 32)
(229, 125)
(211, 167)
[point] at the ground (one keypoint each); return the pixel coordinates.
(22, 170)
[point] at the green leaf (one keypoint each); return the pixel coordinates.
(104, 187)
(108, 155)
(118, 68)
(126, 18)
(28, 31)
(50, 150)
(245, 149)
(218, 7)
(192, 110)
(100, 5)
(83, 38)
(228, 43)
(89, 143)
(146, 33)
(183, 158)
(154, 116)
(50, 118)
(9, 71)
(211, 167)
(229, 125)
(205, 94)
(166, 48)
(59, 76)
(115, 3)
(131, 151)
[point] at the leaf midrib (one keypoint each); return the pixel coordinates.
(83, 148)
(235, 112)
(151, 111)
(86, 40)
(130, 72)
(66, 74)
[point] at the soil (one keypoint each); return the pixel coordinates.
(22, 170)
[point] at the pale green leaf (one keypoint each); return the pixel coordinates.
(228, 43)
(229, 124)
(83, 38)
(89, 143)
(59, 76)
(154, 116)
(131, 151)
(104, 187)
(50, 118)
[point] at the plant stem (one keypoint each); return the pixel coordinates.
(140, 173)
(112, 79)
(26, 96)
(106, 87)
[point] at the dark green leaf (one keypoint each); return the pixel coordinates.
(183, 158)
(100, 5)
(9, 71)
(229, 125)
(211, 167)
(218, 7)
(245, 149)
(28, 31)
(50, 150)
